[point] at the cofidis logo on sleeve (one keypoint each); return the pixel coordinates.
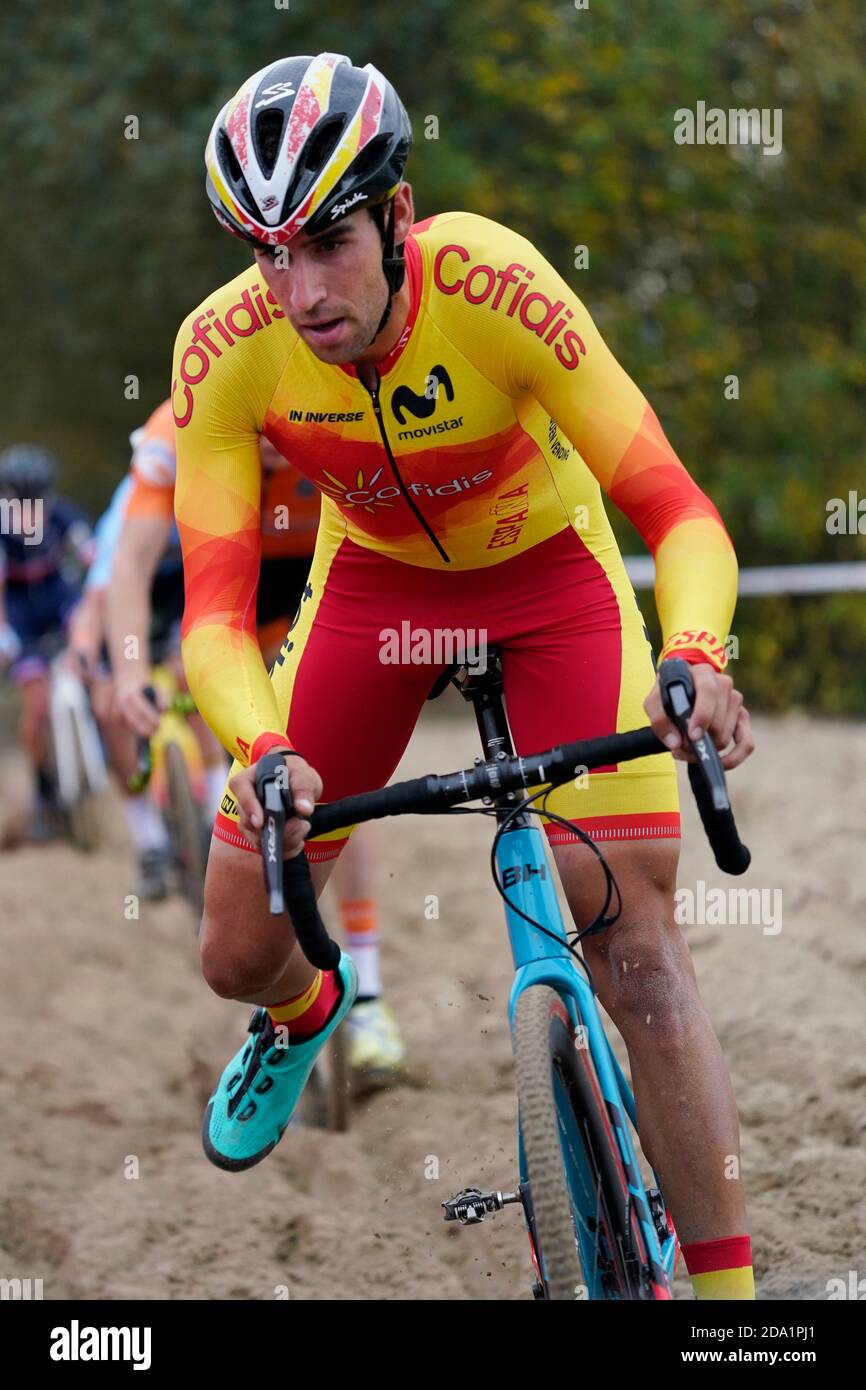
(505, 290)
(211, 337)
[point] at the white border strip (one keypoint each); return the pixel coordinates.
(773, 579)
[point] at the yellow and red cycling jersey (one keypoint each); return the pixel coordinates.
(289, 511)
(500, 419)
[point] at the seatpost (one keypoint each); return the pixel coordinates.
(484, 692)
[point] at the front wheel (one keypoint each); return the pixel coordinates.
(74, 809)
(583, 1237)
(84, 814)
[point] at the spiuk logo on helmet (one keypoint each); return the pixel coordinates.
(340, 209)
(302, 142)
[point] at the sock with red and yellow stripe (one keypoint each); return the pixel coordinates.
(306, 1013)
(721, 1268)
(360, 923)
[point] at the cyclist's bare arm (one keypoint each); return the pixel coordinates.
(141, 545)
(87, 627)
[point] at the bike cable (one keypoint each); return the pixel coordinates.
(600, 921)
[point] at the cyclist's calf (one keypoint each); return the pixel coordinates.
(34, 695)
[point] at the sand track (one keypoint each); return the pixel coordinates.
(110, 1043)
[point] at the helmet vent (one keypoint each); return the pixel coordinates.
(268, 133)
(228, 159)
(370, 160)
(313, 158)
(322, 144)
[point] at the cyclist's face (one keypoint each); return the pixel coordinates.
(331, 287)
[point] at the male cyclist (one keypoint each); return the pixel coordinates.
(87, 638)
(146, 576)
(45, 545)
(454, 402)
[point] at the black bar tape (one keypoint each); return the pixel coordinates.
(730, 853)
(306, 919)
(417, 795)
(596, 752)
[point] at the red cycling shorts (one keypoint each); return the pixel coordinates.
(372, 633)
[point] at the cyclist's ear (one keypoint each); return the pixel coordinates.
(404, 212)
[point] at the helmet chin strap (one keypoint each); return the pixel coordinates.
(393, 267)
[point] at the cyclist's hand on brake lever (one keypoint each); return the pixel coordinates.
(134, 710)
(719, 711)
(306, 788)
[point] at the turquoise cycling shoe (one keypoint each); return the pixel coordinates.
(259, 1089)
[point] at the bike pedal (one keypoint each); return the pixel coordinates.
(472, 1206)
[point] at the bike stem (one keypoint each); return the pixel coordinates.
(484, 692)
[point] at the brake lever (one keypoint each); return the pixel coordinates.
(270, 794)
(678, 697)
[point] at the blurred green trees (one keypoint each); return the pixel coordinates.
(705, 262)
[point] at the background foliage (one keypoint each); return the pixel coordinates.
(704, 260)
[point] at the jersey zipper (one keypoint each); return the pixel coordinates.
(377, 411)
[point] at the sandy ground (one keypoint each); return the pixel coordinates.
(110, 1043)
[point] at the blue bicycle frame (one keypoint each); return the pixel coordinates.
(525, 872)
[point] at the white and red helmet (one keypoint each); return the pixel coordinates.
(304, 142)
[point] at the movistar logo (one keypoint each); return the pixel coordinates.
(422, 406)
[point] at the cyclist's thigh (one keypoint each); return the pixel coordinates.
(348, 700)
(31, 616)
